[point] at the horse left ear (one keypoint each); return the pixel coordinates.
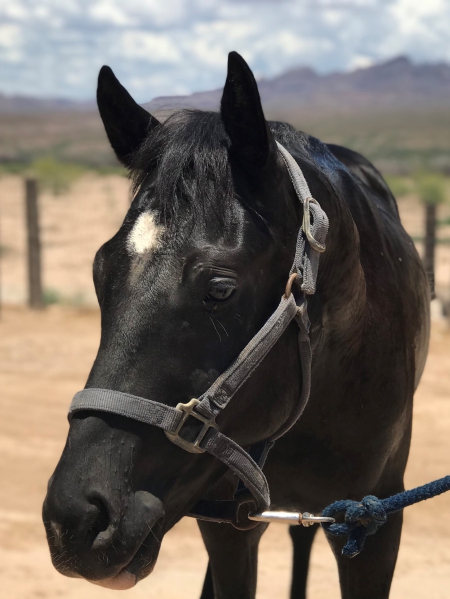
(243, 116)
(126, 123)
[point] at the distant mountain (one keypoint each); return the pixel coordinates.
(395, 113)
(394, 84)
(29, 105)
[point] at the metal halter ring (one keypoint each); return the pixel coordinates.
(306, 226)
(292, 518)
(287, 291)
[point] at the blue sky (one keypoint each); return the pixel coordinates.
(161, 47)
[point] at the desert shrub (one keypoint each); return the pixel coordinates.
(55, 176)
(400, 186)
(431, 187)
(51, 296)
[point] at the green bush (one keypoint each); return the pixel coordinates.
(431, 187)
(55, 176)
(400, 186)
(51, 296)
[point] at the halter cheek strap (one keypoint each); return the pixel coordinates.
(192, 426)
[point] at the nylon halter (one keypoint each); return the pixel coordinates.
(206, 437)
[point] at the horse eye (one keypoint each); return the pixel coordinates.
(220, 290)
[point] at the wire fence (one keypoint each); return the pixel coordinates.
(48, 241)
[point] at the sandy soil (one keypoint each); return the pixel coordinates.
(44, 359)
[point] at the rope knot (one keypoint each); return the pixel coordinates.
(361, 518)
(369, 513)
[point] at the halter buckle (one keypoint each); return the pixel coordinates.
(192, 446)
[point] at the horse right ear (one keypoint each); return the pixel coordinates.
(243, 116)
(126, 123)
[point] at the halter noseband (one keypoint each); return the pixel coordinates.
(247, 466)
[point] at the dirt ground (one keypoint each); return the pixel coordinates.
(45, 358)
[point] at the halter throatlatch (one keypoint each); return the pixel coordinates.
(206, 437)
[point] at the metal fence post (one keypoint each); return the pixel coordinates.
(35, 296)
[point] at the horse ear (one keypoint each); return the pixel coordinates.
(126, 123)
(243, 116)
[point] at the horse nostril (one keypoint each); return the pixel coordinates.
(100, 533)
(102, 521)
(57, 533)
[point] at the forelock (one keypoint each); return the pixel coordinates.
(183, 166)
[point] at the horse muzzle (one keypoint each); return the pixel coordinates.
(113, 548)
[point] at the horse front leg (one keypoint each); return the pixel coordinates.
(302, 540)
(233, 561)
(369, 574)
(208, 587)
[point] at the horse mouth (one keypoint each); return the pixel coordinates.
(122, 581)
(139, 567)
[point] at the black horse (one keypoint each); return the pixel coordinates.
(197, 267)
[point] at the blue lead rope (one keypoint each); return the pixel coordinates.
(362, 518)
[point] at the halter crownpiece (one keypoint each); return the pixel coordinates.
(246, 465)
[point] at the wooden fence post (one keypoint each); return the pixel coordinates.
(430, 243)
(1, 258)
(35, 297)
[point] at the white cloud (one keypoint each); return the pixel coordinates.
(151, 47)
(103, 11)
(160, 47)
(359, 61)
(9, 35)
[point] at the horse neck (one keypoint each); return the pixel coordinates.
(341, 287)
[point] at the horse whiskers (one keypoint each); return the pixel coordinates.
(156, 538)
(154, 535)
(57, 560)
(69, 560)
(215, 328)
(217, 320)
(147, 564)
